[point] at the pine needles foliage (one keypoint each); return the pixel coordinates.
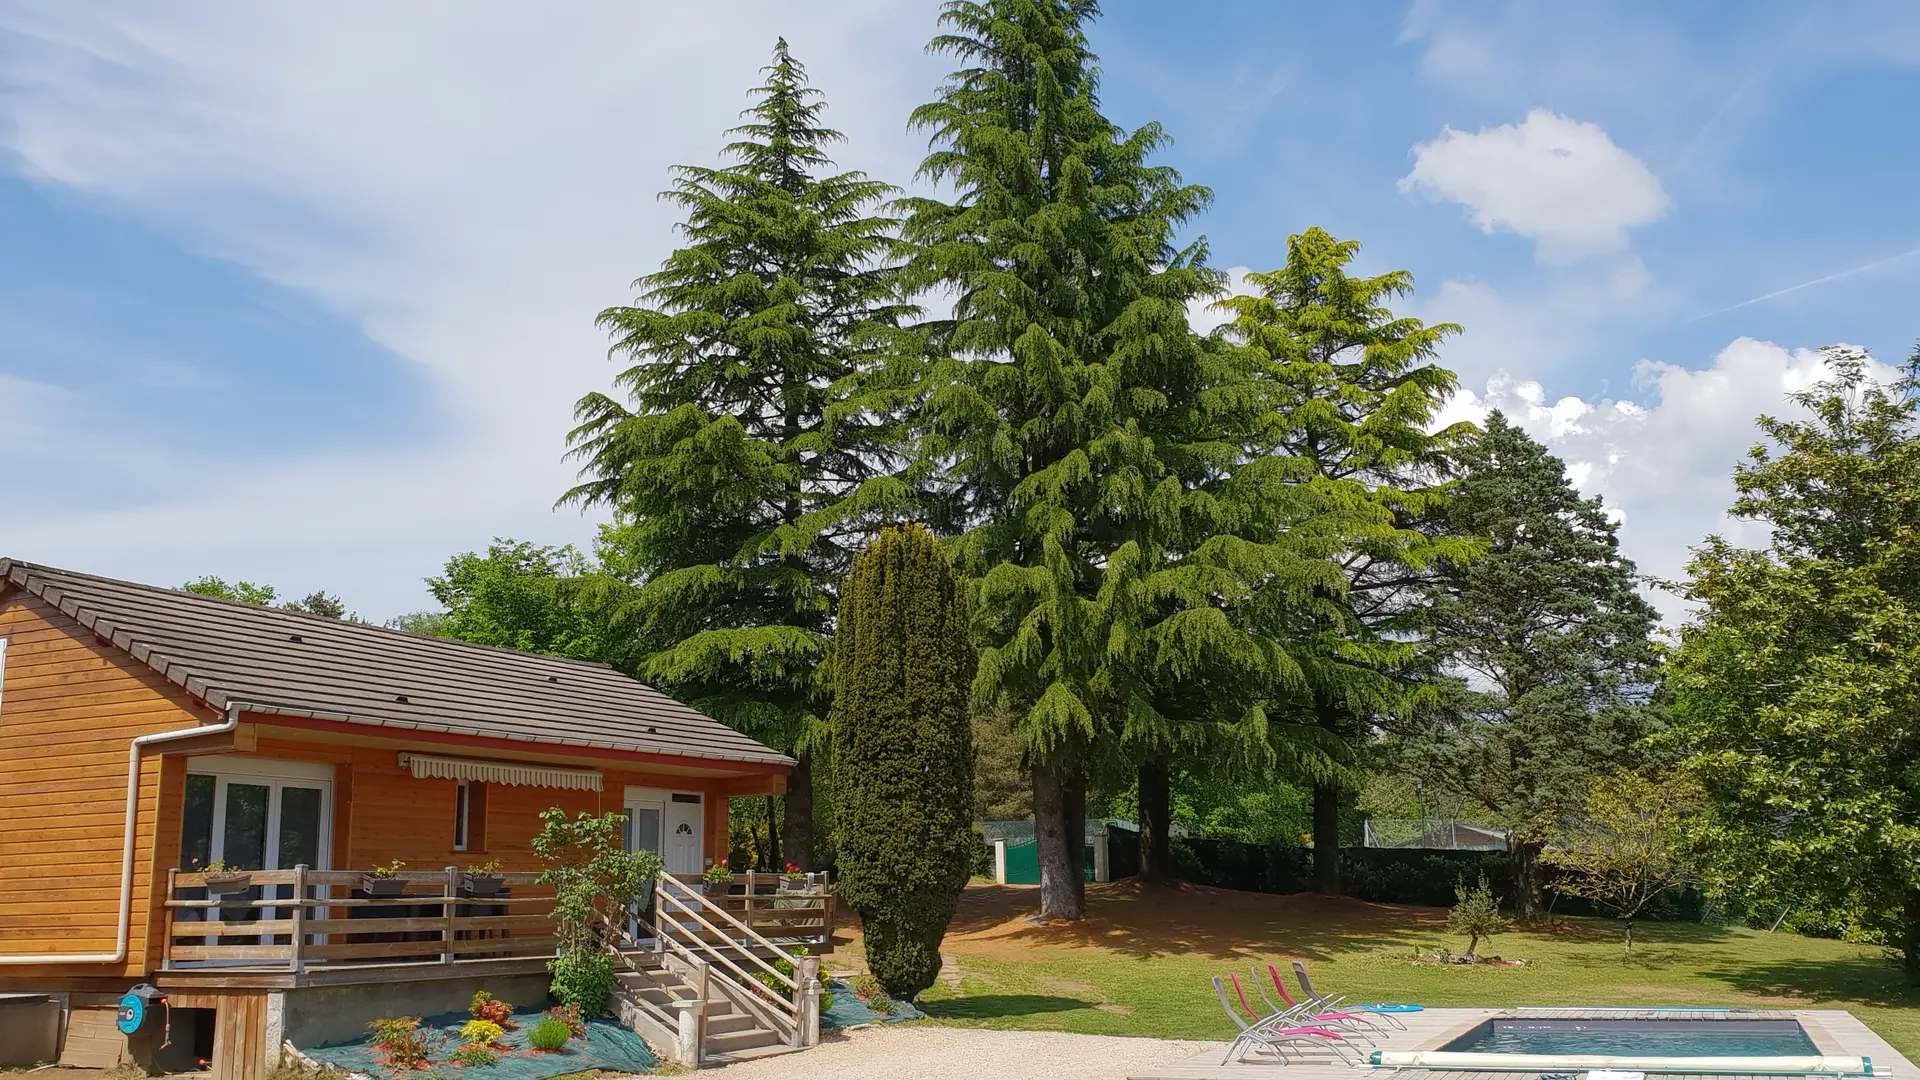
(904, 761)
(753, 448)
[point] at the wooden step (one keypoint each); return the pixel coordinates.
(732, 1042)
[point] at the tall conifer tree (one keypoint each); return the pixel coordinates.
(1353, 390)
(1075, 427)
(1545, 642)
(903, 771)
(746, 462)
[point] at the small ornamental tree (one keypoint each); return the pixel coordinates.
(903, 752)
(1477, 915)
(1628, 848)
(595, 883)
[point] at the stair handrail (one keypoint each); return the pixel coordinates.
(781, 1012)
(751, 934)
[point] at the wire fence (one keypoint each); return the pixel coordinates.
(1432, 834)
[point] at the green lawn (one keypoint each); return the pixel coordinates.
(1139, 964)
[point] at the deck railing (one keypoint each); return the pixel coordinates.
(726, 953)
(293, 919)
(290, 920)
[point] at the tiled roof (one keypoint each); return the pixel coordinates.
(293, 664)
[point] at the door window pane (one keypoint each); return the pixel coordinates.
(196, 823)
(646, 828)
(299, 827)
(245, 846)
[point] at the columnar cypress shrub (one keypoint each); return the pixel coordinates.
(903, 752)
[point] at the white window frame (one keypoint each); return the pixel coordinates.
(228, 768)
(3, 670)
(462, 811)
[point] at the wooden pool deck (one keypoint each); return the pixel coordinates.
(1833, 1031)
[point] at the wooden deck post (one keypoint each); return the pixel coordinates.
(299, 938)
(690, 1038)
(806, 1028)
(166, 924)
(448, 910)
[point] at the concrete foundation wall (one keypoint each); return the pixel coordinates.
(318, 1015)
(29, 1029)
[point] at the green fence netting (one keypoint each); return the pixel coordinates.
(607, 1045)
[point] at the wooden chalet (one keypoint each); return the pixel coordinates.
(146, 733)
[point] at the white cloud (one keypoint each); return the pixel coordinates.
(1665, 462)
(1204, 317)
(1560, 182)
(469, 183)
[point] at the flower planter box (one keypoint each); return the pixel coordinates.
(383, 888)
(483, 884)
(227, 884)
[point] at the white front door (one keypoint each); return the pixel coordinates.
(683, 834)
(670, 823)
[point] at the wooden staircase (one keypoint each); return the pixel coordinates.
(649, 1000)
(707, 989)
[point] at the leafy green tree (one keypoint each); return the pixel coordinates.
(1353, 392)
(1074, 428)
(1797, 685)
(319, 602)
(527, 596)
(596, 882)
(753, 450)
(1475, 916)
(904, 753)
(1627, 847)
(1543, 644)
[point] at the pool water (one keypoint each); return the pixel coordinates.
(1638, 1038)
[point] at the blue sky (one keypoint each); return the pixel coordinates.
(305, 295)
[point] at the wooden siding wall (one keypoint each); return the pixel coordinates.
(68, 710)
(382, 813)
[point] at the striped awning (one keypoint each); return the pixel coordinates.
(424, 767)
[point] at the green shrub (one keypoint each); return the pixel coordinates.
(1476, 915)
(401, 1043)
(584, 979)
(549, 1034)
(979, 855)
(869, 991)
(472, 1055)
(903, 662)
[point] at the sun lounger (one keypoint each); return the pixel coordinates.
(1259, 1035)
(1361, 1023)
(1385, 1012)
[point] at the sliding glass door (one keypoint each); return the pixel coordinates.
(256, 814)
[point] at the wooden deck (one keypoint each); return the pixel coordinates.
(1832, 1031)
(300, 927)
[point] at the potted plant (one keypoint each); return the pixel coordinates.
(483, 879)
(793, 879)
(716, 880)
(384, 882)
(222, 881)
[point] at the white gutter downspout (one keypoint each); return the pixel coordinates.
(119, 953)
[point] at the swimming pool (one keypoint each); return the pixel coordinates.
(1650, 1041)
(1641, 1038)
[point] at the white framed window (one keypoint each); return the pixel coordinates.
(3, 668)
(462, 804)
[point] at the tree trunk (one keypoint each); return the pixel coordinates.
(1156, 819)
(1627, 953)
(1910, 936)
(773, 837)
(1326, 838)
(1074, 788)
(797, 830)
(1526, 879)
(1054, 833)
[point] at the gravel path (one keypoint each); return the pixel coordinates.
(898, 1052)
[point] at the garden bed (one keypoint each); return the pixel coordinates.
(606, 1045)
